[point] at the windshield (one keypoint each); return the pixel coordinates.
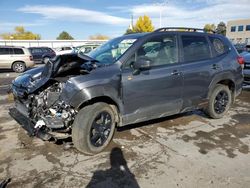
(109, 52)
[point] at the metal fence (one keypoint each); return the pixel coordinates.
(49, 43)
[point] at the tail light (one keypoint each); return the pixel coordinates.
(241, 61)
(31, 58)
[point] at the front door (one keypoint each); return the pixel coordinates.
(157, 92)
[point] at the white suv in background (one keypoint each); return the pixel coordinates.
(64, 50)
(15, 58)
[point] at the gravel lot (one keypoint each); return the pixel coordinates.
(188, 150)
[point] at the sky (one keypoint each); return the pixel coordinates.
(82, 18)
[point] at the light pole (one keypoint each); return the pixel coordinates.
(161, 5)
(11, 38)
(160, 17)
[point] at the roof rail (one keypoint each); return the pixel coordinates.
(188, 29)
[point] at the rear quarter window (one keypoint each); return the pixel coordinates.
(195, 48)
(18, 51)
(218, 46)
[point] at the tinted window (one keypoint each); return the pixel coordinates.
(247, 27)
(218, 46)
(240, 28)
(88, 49)
(4, 51)
(36, 50)
(66, 48)
(46, 49)
(18, 51)
(195, 48)
(233, 28)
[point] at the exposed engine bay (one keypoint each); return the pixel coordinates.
(49, 112)
(38, 97)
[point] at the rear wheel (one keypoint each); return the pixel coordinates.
(219, 101)
(93, 128)
(18, 67)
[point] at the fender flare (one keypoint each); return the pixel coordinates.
(97, 92)
(219, 78)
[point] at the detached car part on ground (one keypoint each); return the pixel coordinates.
(129, 79)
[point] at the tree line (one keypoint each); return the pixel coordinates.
(143, 24)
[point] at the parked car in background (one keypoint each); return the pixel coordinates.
(85, 48)
(64, 50)
(16, 58)
(246, 70)
(42, 54)
(242, 47)
(130, 79)
(248, 48)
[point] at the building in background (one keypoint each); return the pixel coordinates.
(238, 31)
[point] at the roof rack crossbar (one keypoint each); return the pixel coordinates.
(181, 29)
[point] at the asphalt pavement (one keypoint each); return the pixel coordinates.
(187, 150)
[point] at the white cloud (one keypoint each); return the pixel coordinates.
(74, 14)
(187, 13)
(193, 13)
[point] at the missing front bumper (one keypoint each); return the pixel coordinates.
(29, 126)
(24, 121)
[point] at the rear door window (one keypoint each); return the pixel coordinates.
(36, 51)
(18, 51)
(195, 48)
(46, 50)
(218, 46)
(4, 51)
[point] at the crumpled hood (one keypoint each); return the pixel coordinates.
(35, 78)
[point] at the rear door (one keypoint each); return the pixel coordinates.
(156, 92)
(5, 57)
(198, 68)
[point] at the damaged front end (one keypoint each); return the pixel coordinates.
(39, 107)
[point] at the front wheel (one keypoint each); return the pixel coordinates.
(93, 128)
(219, 101)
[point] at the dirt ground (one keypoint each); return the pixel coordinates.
(187, 150)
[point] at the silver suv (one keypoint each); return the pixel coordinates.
(16, 58)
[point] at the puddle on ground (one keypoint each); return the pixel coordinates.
(226, 138)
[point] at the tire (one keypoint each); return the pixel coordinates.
(85, 132)
(219, 103)
(19, 67)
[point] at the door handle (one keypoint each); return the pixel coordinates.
(176, 73)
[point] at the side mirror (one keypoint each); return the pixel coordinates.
(143, 63)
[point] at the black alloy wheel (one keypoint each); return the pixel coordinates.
(100, 129)
(221, 102)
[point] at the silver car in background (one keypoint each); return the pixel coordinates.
(246, 70)
(16, 58)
